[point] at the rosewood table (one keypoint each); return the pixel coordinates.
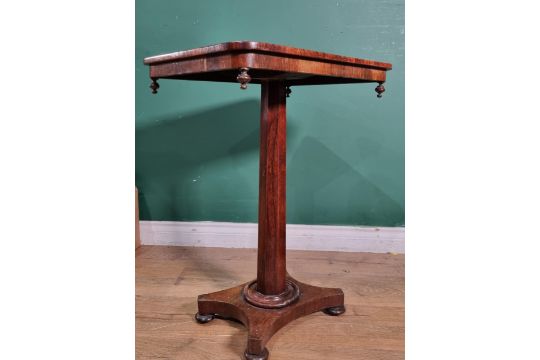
(274, 299)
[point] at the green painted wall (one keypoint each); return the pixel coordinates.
(197, 142)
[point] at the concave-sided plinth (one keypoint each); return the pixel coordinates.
(274, 299)
(263, 323)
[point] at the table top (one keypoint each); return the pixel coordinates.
(265, 62)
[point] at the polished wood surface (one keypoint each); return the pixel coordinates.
(261, 325)
(168, 280)
(274, 299)
(262, 47)
(271, 270)
(265, 62)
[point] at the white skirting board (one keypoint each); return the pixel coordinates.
(299, 237)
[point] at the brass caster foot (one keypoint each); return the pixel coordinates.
(203, 319)
(334, 311)
(262, 356)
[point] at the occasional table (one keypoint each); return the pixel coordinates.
(274, 299)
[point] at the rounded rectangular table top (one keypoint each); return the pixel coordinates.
(262, 47)
(266, 62)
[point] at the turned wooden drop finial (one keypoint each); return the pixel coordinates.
(380, 89)
(154, 86)
(243, 78)
(288, 91)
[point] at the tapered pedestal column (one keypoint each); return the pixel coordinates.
(274, 299)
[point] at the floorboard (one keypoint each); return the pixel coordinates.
(169, 279)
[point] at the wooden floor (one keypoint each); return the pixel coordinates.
(169, 279)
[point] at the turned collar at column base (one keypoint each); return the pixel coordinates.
(263, 356)
(255, 298)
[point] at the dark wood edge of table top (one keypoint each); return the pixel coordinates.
(267, 48)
